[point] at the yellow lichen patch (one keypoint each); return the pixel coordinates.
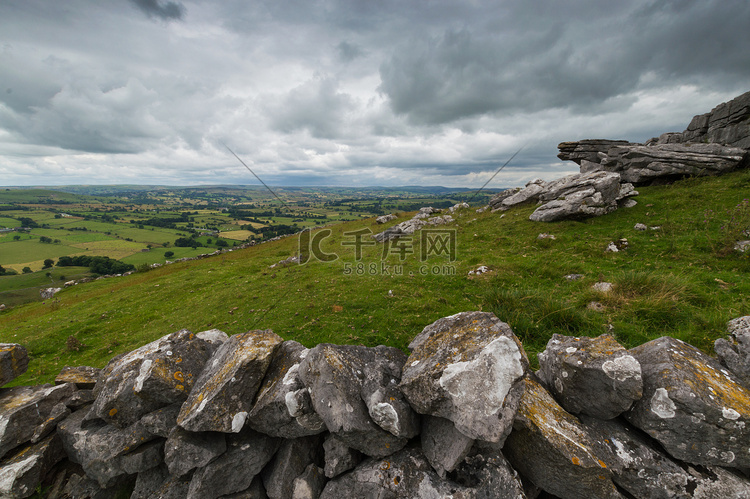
(180, 387)
(576, 461)
(178, 376)
(112, 411)
(602, 464)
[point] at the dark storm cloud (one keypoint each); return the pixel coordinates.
(166, 11)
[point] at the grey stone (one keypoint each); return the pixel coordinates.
(213, 336)
(21, 473)
(587, 150)
(640, 226)
(150, 377)
(734, 351)
(57, 414)
(246, 455)
(24, 408)
(14, 360)
(84, 377)
(529, 194)
(255, 491)
(579, 195)
(728, 123)
(490, 476)
(497, 200)
(148, 482)
(385, 218)
(81, 487)
(223, 394)
(594, 376)
(643, 471)
(283, 407)
(692, 405)
(290, 461)
(310, 484)
(184, 450)
(404, 474)
(551, 447)
(344, 381)
(467, 368)
(443, 445)
(161, 421)
(79, 399)
(339, 457)
(174, 488)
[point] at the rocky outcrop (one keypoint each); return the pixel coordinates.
(417, 222)
(728, 123)
(580, 195)
(348, 422)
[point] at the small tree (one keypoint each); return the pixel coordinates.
(48, 263)
(16, 237)
(168, 254)
(26, 270)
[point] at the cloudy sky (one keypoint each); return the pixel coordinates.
(349, 92)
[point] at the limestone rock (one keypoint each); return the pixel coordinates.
(579, 195)
(84, 377)
(384, 219)
(345, 384)
(594, 376)
(283, 407)
(640, 164)
(467, 368)
(734, 352)
(148, 482)
(692, 405)
(443, 445)
(339, 457)
(57, 414)
(254, 491)
(404, 474)
(246, 455)
(184, 450)
(529, 194)
(643, 471)
(728, 123)
(551, 447)
(310, 484)
(24, 470)
(489, 476)
(150, 377)
(290, 461)
(223, 394)
(14, 360)
(589, 150)
(496, 202)
(24, 408)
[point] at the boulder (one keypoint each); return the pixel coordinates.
(24, 408)
(579, 195)
(14, 360)
(529, 194)
(734, 351)
(148, 378)
(84, 377)
(641, 164)
(57, 414)
(728, 123)
(489, 476)
(496, 201)
(290, 461)
(642, 470)
(351, 389)
(185, 450)
(551, 447)
(594, 376)
(404, 474)
(310, 484)
(467, 368)
(384, 219)
(246, 455)
(21, 473)
(283, 407)
(443, 445)
(692, 405)
(223, 394)
(339, 457)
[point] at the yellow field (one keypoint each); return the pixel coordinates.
(113, 249)
(239, 235)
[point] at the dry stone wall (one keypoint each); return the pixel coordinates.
(462, 416)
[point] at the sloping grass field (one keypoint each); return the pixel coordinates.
(682, 280)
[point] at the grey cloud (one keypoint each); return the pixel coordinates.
(349, 51)
(168, 11)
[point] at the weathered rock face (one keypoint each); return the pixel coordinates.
(185, 450)
(467, 368)
(590, 150)
(24, 408)
(290, 461)
(530, 193)
(151, 377)
(21, 472)
(443, 445)
(640, 164)
(554, 450)
(692, 405)
(224, 392)
(594, 376)
(355, 391)
(579, 195)
(283, 407)
(339, 457)
(84, 377)
(734, 352)
(643, 471)
(728, 123)
(14, 360)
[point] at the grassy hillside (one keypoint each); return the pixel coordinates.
(682, 280)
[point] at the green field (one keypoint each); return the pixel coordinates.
(682, 280)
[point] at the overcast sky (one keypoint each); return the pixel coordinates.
(349, 92)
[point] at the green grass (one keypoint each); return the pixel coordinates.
(675, 281)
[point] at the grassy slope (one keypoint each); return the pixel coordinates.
(675, 281)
